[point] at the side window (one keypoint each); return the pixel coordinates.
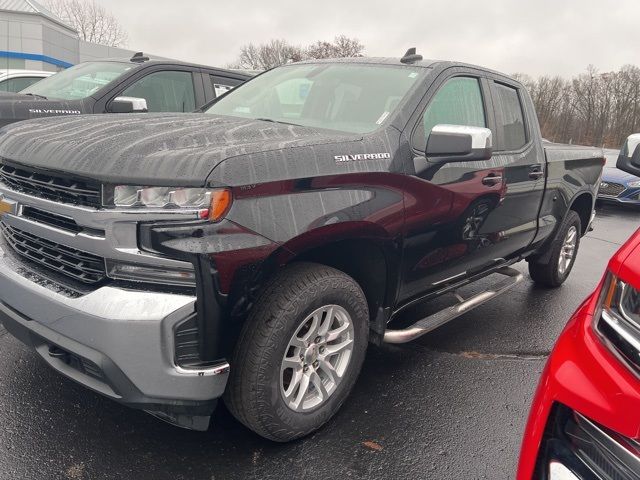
(458, 102)
(17, 84)
(510, 119)
(222, 85)
(168, 91)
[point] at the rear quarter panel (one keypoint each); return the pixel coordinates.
(571, 171)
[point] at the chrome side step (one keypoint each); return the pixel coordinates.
(438, 319)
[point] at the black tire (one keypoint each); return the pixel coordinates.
(547, 273)
(254, 394)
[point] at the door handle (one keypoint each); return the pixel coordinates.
(491, 180)
(536, 172)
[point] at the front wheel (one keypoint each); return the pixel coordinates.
(299, 353)
(555, 270)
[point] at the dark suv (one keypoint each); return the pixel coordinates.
(138, 84)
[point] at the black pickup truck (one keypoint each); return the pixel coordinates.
(252, 252)
(138, 84)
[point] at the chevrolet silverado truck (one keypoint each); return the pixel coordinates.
(252, 252)
(138, 84)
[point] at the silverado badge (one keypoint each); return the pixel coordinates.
(361, 156)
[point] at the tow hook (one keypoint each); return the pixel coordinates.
(58, 353)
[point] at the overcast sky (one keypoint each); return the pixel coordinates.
(527, 36)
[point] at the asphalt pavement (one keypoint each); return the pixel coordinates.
(451, 405)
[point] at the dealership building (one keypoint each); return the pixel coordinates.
(33, 38)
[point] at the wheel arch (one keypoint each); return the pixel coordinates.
(362, 250)
(582, 204)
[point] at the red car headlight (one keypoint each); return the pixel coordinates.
(617, 320)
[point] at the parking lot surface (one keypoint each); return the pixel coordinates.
(451, 405)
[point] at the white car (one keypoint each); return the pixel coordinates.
(17, 80)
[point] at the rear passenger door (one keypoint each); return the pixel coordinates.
(518, 149)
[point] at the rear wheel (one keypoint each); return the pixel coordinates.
(299, 353)
(556, 269)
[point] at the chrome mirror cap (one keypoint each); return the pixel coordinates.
(129, 105)
(480, 137)
(459, 143)
(631, 145)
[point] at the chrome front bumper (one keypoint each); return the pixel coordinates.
(125, 336)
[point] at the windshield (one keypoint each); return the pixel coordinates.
(80, 81)
(350, 98)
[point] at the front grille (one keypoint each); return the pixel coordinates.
(611, 189)
(48, 218)
(606, 453)
(587, 449)
(51, 187)
(81, 266)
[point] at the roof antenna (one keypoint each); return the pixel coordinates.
(411, 56)
(139, 58)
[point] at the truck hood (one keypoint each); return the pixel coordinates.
(15, 107)
(149, 149)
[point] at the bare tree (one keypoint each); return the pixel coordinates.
(342, 46)
(593, 108)
(279, 52)
(92, 21)
(267, 55)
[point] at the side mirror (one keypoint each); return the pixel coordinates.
(128, 105)
(458, 143)
(629, 158)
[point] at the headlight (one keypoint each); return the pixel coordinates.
(617, 320)
(621, 299)
(635, 183)
(211, 204)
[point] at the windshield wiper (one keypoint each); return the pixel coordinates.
(42, 97)
(278, 121)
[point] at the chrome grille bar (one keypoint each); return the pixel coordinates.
(81, 266)
(51, 187)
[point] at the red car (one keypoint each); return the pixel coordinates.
(585, 419)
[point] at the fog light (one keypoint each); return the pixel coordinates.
(557, 471)
(141, 273)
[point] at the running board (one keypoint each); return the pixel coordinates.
(438, 319)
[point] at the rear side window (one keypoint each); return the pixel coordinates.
(17, 84)
(512, 134)
(169, 91)
(458, 102)
(222, 85)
